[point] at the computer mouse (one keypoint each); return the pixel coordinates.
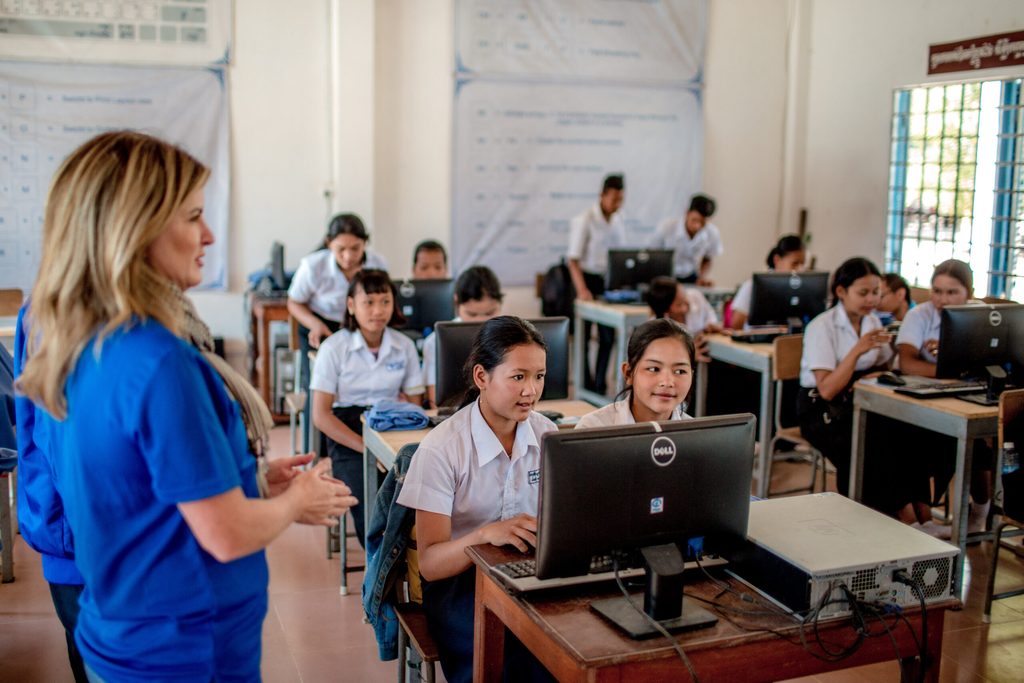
(551, 414)
(891, 379)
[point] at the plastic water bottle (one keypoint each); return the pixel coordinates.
(1011, 459)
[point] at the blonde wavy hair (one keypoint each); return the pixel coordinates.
(108, 202)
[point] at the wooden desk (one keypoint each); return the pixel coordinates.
(575, 644)
(380, 448)
(953, 417)
(263, 311)
(756, 357)
(620, 317)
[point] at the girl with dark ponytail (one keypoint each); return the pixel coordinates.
(788, 255)
(475, 479)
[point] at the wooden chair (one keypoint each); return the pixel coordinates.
(996, 300)
(787, 351)
(10, 302)
(414, 633)
(1011, 412)
(920, 295)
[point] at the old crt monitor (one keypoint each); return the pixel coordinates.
(982, 342)
(792, 299)
(454, 341)
(635, 268)
(425, 302)
(651, 488)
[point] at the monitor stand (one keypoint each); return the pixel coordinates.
(996, 385)
(662, 600)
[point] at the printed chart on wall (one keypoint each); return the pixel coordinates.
(116, 31)
(551, 96)
(529, 157)
(47, 110)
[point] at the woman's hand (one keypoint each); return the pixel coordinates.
(932, 346)
(872, 340)
(318, 333)
(281, 472)
(318, 497)
(518, 531)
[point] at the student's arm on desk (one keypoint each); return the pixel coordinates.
(332, 427)
(317, 329)
(738, 319)
(832, 382)
(441, 557)
(576, 273)
(911, 362)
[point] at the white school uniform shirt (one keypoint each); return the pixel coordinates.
(430, 357)
(461, 470)
(921, 323)
(741, 302)
(689, 251)
(346, 369)
(591, 236)
(830, 337)
(319, 283)
(618, 413)
(701, 313)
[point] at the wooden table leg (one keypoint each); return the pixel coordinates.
(488, 637)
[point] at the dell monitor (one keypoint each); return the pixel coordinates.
(455, 340)
(982, 342)
(634, 269)
(424, 303)
(792, 299)
(644, 488)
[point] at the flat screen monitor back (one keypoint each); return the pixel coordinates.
(776, 298)
(455, 340)
(424, 303)
(972, 337)
(624, 488)
(635, 268)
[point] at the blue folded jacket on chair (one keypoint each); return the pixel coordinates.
(396, 415)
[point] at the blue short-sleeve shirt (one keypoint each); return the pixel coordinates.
(149, 426)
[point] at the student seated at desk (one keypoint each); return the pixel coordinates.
(787, 256)
(895, 302)
(918, 345)
(316, 296)
(668, 298)
(475, 479)
(429, 261)
(840, 346)
(478, 298)
(357, 367)
(658, 373)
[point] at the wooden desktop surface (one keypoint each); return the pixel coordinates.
(576, 644)
(950, 406)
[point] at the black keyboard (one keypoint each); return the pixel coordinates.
(521, 575)
(940, 389)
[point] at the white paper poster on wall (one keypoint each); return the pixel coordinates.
(529, 157)
(116, 31)
(47, 110)
(636, 41)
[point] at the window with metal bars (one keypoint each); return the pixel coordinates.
(956, 184)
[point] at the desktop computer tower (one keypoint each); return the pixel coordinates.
(801, 549)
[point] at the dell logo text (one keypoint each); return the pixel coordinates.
(663, 451)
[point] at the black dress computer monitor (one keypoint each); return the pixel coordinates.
(787, 298)
(635, 268)
(455, 340)
(973, 338)
(425, 302)
(622, 489)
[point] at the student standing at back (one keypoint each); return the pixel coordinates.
(475, 479)
(359, 366)
(316, 296)
(478, 298)
(840, 346)
(591, 235)
(658, 373)
(787, 256)
(695, 241)
(429, 261)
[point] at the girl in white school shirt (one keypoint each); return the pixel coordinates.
(478, 298)
(476, 478)
(918, 346)
(840, 346)
(658, 373)
(357, 367)
(787, 256)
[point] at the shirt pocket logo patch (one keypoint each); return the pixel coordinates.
(533, 477)
(396, 366)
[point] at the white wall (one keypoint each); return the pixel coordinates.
(797, 106)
